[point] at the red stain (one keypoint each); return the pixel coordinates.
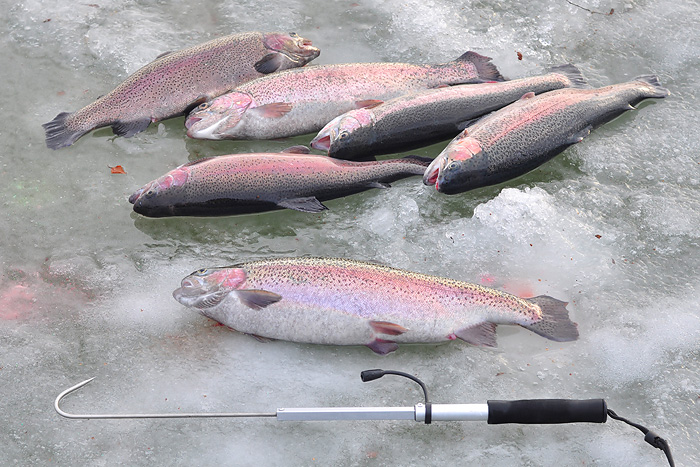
(16, 301)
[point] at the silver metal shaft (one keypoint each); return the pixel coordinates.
(439, 412)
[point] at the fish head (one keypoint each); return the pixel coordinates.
(213, 119)
(158, 198)
(291, 49)
(344, 132)
(448, 171)
(207, 287)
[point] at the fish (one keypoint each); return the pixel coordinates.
(301, 101)
(521, 136)
(175, 82)
(430, 116)
(339, 301)
(250, 183)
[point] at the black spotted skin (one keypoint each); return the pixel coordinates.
(427, 117)
(529, 132)
(246, 183)
(171, 84)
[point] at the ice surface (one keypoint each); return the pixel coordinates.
(611, 226)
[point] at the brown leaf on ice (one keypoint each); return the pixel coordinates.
(117, 169)
(520, 56)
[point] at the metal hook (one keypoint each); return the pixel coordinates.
(147, 415)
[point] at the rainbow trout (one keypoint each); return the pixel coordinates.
(248, 183)
(302, 101)
(522, 136)
(176, 81)
(430, 116)
(346, 302)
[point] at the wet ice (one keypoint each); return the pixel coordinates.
(610, 226)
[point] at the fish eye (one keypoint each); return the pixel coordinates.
(343, 134)
(204, 106)
(201, 272)
(452, 165)
(150, 193)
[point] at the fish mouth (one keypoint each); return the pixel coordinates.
(322, 144)
(209, 132)
(191, 121)
(430, 177)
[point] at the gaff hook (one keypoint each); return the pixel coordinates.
(63, 413)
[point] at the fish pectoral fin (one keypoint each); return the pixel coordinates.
(299, 149)
(306, 204)
(368, 103)
(257, 299)
(262, 339)
(385, 327)
(272, 110)
(578, 137)
(382, 346)
(269, 63)
(528, 95)
(381, 185)
(129, 129)
(483, 334)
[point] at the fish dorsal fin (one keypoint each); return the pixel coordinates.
(486, 70)
(164, 54)
(272, 110)
(257, 299)
(528, 95)
(305, 204)
(368, 103)
(298, 149)
(483, 334)
(269, 63)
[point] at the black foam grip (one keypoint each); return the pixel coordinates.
(547, 411)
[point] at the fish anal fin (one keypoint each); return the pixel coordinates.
(257, 299)
(299, 149)
(268, 64)
(306, 204)
(129, 129)
(272, 110)
(386, 327)
(380, 185)
(368, 103)
(382, 346)
(528, 95)
(483, 334)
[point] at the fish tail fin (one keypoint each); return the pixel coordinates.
(572, 73)
(656, 90)
(486, 70)
(58, 135)
(555, 323)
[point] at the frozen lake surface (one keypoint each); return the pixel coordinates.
(611, 225)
